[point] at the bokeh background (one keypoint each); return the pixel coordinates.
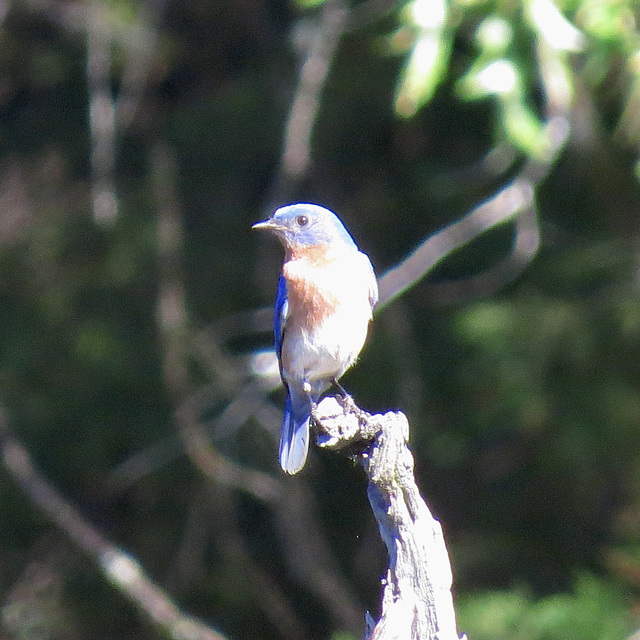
(138, 143)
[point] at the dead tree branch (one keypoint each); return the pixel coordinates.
(416, 603)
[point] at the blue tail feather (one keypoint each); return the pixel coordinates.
(294, 441)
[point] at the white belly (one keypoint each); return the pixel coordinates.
(326, 350)
(329, 350)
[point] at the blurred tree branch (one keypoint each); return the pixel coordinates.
(515, 201)
(317, 56)
(101, 114)
(110, 117)
(306, 548)
(525, 247)
(118, 567)
(505, 205)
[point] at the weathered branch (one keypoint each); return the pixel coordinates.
(416, 603)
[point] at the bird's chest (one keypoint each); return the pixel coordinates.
(320, 292)
(327, 317)
(314, 293)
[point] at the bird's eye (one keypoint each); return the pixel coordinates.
(302, 221)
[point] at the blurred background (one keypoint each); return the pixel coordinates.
(139, 140)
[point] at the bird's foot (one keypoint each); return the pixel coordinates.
(341, 389)
(345, 399)
(314, 411)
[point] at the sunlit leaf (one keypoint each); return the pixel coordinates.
(523, 128)
(423, 72)
(426, 14)
(549, 22)
(309, 4)
(427, 62)
(494, 35)
(498, 77)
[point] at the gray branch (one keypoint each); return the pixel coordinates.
(119, 567)
(416, 602)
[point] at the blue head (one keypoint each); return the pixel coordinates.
(306, 225)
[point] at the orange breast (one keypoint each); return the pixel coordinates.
(310, 300)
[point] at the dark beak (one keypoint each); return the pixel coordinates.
(269, 225)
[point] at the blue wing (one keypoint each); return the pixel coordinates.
(294, 441)
(280, 316)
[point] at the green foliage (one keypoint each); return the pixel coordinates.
(309, 4)
(594, 610)
(497, 70)
(426, 65)
(517, 45)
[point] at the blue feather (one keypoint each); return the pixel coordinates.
(294, 441)
(280, 315)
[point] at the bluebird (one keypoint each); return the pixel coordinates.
(326, 294)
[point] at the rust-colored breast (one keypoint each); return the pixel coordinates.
(314, 255)
(309, 294)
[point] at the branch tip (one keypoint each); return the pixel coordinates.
(416, 600)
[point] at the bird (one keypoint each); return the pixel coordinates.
(326, 294)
